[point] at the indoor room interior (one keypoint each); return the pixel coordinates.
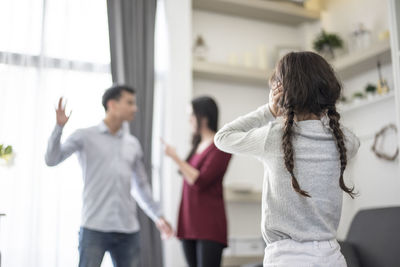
(58, 58)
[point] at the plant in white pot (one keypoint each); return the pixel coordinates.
(200, 49)
(357, 97)
(370, 91)
(7, 155)
(326, 43)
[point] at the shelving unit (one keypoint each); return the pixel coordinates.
(346, 66)
(362, 60)
(344, 108)
(233, 196)
(228, 73)
(238, 260)
(285, 13)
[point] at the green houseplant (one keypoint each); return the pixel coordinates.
(358, 96)
(325, 43)
(370, 90)
(6, 154)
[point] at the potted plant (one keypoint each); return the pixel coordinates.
(6, 155)
(358, 96)
(370, 90)
(325, 43)
(200, 49)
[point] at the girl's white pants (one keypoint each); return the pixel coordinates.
(290, 253)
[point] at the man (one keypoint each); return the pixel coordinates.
(114, 177)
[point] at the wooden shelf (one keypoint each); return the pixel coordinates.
(362, 60)
(344, 108)
(285, 13)
(345, 66)
(228, 73)
(234, 196)
(238, 260)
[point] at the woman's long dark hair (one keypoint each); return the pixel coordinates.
(204, 107)
(309, 86)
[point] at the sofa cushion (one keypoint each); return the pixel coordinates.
(375, 234)
(350, 254)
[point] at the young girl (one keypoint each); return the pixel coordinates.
(202, 225)
(304, 150)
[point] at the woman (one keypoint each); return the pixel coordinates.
(202, 225)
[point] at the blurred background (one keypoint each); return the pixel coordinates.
(222, 48)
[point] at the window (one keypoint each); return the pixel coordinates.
(48, 49)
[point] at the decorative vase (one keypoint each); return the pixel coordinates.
(200, 49)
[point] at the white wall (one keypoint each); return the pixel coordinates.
(228, 34)
(376, 180)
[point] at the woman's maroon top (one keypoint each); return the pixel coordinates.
(202, 210)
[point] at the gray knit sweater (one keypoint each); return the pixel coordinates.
(285, 213)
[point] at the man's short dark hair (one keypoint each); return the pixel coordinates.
(115, 92)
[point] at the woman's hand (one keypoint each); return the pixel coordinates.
(165, 228)
(275, 95)
(170, 151)
(189, 173)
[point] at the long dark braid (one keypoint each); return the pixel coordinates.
(334, 124)
(288, 152)
(310, 86)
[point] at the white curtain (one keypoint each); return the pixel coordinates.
(161, 65)
(48, 49)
